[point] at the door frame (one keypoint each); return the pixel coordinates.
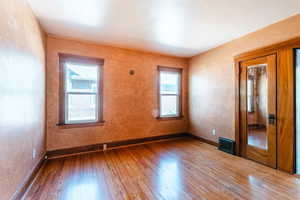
(268, 157)
(284, 52)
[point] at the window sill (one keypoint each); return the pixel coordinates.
(169, 118)
(65, 126)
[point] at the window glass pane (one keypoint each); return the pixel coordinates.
(169, 82)
(168, 105)
(81, 78)
(81, 107)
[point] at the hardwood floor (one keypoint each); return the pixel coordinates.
(180, 169)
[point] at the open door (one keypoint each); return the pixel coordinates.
(258, 109)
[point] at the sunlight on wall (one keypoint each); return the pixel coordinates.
(21, 90)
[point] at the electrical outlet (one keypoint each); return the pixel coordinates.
(33, 153)
(104, 147)
(213, 132)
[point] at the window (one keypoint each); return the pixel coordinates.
(169, 82)
(81, 85)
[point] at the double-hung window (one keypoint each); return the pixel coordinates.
(81, 86)
(169, 82)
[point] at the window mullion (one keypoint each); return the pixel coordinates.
(83, 93)
(169, 94)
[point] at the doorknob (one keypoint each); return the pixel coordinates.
(271, 119)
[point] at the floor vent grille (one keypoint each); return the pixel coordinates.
(227, 145)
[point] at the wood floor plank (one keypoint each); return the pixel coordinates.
(182, 169)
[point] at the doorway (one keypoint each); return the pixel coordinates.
(297, 99)
(258, 109)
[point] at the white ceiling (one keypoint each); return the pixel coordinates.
(173, 27)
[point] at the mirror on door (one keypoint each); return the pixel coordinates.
(257, 99)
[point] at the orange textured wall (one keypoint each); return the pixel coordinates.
(211, 79)
(22, 95)
(130, 102)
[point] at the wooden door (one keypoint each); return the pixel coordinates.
(258, 109)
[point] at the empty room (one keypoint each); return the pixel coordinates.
(149, 100)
